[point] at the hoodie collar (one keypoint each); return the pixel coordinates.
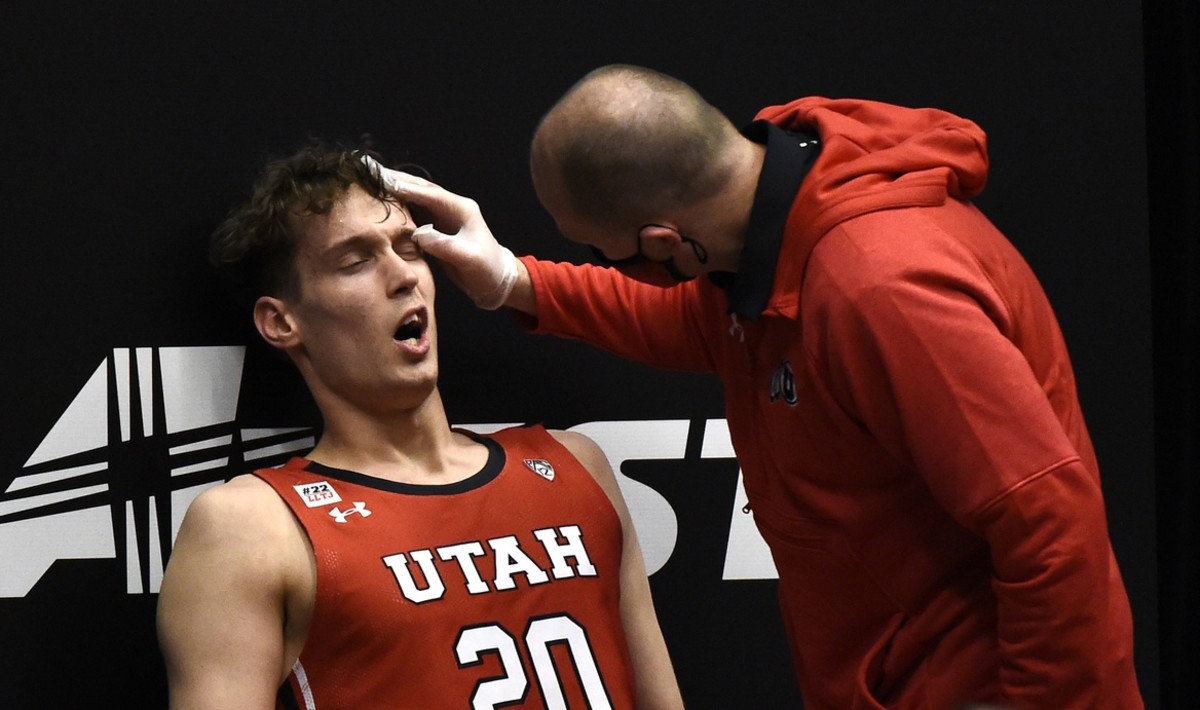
(789, 156)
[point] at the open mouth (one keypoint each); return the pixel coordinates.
(412, 329)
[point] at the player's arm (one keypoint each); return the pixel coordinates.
(656, 684)
(221, 612)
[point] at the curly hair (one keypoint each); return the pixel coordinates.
(255, 247)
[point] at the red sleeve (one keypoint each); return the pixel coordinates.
(917, 345)
(600, 306)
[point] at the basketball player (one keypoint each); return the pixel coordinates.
(400, 563)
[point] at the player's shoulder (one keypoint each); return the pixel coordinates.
(595, 462)
(238, 542)
(581, 446)
(586, 451)
(238, 494)
(242, 509)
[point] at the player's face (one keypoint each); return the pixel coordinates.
(365, 310)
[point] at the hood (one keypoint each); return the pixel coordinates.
(874, 156)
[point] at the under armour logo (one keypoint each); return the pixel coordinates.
(541, 468)
(783, 383)
(359, 507)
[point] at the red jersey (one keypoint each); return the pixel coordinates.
(501, 590)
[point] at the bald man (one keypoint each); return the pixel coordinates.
(897, 389)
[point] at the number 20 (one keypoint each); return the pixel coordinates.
(475, 641)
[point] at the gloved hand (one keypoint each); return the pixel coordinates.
(472, 257)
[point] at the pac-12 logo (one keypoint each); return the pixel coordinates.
(541, 467)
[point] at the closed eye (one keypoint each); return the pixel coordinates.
(354, 262)
(406, 248)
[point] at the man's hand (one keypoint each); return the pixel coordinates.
(472, 257)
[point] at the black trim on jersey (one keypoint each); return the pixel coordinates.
(487, 474)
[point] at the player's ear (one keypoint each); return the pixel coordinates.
(275, 323)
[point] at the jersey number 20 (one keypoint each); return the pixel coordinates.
(476, 641)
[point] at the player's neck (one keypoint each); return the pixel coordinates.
(410, 446)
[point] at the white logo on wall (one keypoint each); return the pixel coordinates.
(150, 430)
(153, 427)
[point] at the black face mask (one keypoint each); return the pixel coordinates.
(658, 273)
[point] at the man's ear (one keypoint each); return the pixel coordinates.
(274, 322)
(661, 234)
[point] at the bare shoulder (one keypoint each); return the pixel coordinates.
(587, 451)
(594, 460)
(238, 543)
(241, 524)
(244, 507)
(235, 598)
(241, 492)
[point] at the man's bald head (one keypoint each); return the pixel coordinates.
(625, 143)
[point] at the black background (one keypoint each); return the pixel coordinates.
(130, 128)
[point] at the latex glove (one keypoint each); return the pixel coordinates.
(472, 257)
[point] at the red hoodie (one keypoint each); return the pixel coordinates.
(905, 415)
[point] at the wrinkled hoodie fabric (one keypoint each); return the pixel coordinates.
(905, 415)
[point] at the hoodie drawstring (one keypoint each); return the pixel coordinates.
(736, 329)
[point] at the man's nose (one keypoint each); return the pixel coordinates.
(402, 273)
